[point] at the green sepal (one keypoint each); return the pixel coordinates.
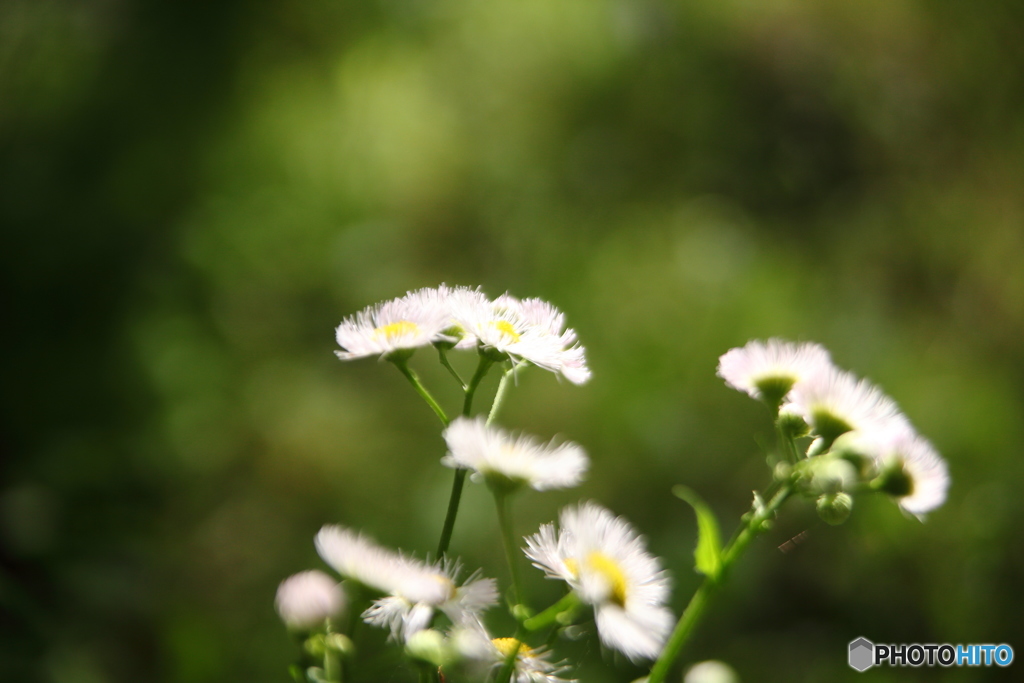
(708, 554)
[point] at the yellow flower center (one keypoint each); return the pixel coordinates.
(609, 569)
(573, 567)
(506, 646)
(506, 329)
(396, 329)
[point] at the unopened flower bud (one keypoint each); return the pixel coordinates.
(711, 671)
(830, 474)
(428, 645)
(307, 599)
(835, 508)
(792, 424)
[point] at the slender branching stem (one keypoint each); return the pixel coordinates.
(443, 355)
(459, 479)
(755, 524)
(403, 366)
(503, 501)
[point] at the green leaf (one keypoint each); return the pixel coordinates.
(708, 555)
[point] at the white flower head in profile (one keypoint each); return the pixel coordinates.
(507, 461)
(413, 589)
(525, 330)
(835, 402)
(769, 370)
(305, 600)
(417, 319)
(911, 470)
(606, 564)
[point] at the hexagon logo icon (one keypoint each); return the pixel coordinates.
(862, 654)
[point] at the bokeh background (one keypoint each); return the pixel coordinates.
(195, 193)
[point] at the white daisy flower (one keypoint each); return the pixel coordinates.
(768, 370)
(532, 664)
(414, 589)
(508, 461)
(445, 301)
(308, 598)
(525, 330)
(606, 563)
(417, 319)
(834, 402)
(911, 470)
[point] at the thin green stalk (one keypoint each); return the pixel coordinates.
(693, 612)
(453, 511)
(503, 503)
(403, 366)
(332, 666)
(481, 371)
(499, 395)
(443, 355)
(550, 616)
(459, 479)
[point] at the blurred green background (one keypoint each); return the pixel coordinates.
(195, 193)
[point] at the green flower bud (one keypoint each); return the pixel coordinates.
(315, 645)
(792, 425)
(830, 474)
(835, 508)
(429, 646)
(340, 643)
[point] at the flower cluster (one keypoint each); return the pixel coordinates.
(860, 436)
(520, 330)
(856, 440)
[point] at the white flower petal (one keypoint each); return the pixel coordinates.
(492, 451)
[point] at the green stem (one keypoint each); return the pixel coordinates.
(481, 371)
(332, 666)
(568, 603)
(693, 612)
(499, 396)
(453, 511)
(459, 479)
(503, 503)
(443, 355)
(403, 366)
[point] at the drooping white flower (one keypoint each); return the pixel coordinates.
(606, 563)
(834, 402)
(417, 319)
(305, 600)
(911, 469)
(768, 370)
(413, 589)
(507, 461)
(526, 330)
